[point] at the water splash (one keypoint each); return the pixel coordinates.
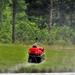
(19, 66)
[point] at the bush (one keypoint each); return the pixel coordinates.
(62, 35)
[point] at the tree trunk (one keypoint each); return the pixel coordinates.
(50, 27)
(13, 21)
(72, 4)
(71, 17)
(62, 13)
(51, 11)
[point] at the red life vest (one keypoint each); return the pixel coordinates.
(36, 51)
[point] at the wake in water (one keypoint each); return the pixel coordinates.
(19, 66)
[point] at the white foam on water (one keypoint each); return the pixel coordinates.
(19, 66)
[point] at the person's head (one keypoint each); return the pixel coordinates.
(34, 45)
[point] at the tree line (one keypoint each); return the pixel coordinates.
(51, 21)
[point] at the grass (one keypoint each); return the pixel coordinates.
(57, 58)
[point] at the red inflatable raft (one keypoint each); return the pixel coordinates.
(36, 55)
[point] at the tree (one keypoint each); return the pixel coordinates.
(72, 11)
(14, 18)
(50, 25)
(51, 11)
(5, 21)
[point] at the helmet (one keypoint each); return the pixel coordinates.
(34, 45)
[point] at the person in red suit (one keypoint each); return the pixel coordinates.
(35, 50)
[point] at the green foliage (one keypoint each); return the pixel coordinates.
(28, 31)
(5, 24)
(62, 35)
(32, 20)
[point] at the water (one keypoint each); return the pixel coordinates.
(19, 66)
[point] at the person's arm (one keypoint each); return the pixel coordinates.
(42, 49)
